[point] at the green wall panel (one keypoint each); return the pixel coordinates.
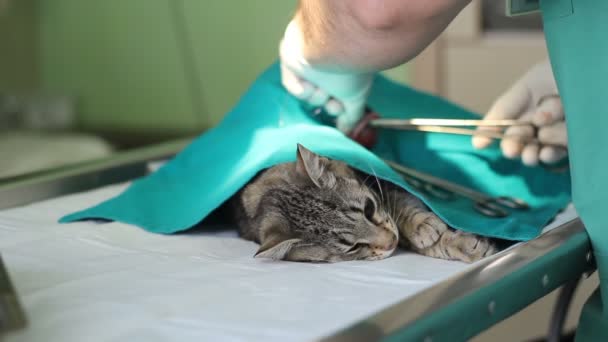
(120, 59)
(234, 40)
(18, 47)
(152, 66)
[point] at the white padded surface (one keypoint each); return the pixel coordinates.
(114, 282)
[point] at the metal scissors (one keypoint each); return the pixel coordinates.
(443, 189)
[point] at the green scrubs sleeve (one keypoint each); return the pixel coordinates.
(577, 39)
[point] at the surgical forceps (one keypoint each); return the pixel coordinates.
(454, 126)
(364, 131)
(443, 189)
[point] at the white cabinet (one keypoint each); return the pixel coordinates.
(479, 56)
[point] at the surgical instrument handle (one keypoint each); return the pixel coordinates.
(447, 122)
(470, 193)
(455, 130)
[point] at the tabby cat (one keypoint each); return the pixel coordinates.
(321, 210)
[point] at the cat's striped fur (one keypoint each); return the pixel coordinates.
(317, 209)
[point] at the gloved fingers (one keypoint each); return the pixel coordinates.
(348, 110)
(303, 89)
(353, 111)
(318, 97)
(529, 155)
(334, 107)
(555, 134)
(295, 85)
(516, 138)
(508, 106)
(552, 154)
(480, 141)
(549, 111)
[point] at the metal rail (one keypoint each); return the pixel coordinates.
(11, 313)
(556, 257)
(120, 167)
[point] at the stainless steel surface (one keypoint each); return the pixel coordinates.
(483, 274)
(485, 204)
(562, 306)
(475, 195)
(120, 167)
(11, 313)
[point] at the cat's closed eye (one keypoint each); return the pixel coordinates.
(356, 247)
(369, 210)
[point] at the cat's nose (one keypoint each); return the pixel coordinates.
(389, 244)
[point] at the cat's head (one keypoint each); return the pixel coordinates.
(329, 214)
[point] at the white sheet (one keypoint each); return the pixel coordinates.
(114, 282)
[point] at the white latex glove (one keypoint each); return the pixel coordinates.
(533, 98)
(340, 94)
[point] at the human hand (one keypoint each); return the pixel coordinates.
(533, 98)
(342, 94)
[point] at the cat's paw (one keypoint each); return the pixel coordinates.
(469, 247)
(426, 229)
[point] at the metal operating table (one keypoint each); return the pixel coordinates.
(453, 302)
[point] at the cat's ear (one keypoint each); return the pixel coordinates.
(313, 166)
(276, 240)
(276, 249)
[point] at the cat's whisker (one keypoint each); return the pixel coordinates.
(394, 208)
(399, 216)
(378, 182)
(393, 205)
(395, 213)
(366, 178)
(401, 212)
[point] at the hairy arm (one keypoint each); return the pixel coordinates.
(370, 35)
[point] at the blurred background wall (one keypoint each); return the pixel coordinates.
(156, 67)
(480, 55)
(18, 46)
(142, 70)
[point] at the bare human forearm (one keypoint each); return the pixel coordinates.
(370, 35)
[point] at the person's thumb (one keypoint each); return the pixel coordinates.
(510, 105)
